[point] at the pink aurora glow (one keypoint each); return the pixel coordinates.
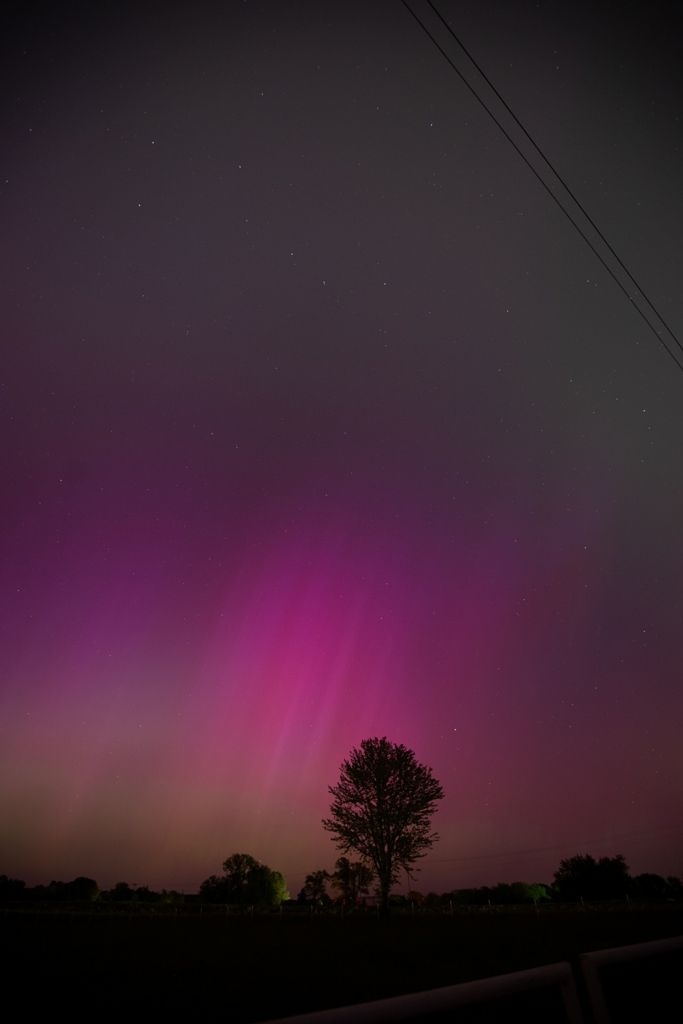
(321, 422)
(158, 735)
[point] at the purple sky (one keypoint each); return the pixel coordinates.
(321, 422)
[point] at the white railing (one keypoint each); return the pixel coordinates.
(591, 963)
(420, 1005)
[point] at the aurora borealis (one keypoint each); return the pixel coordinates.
(320, 422)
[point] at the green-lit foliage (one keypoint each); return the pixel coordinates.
(245, 883)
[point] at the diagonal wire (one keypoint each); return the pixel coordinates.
(558, 202)
(557, 174)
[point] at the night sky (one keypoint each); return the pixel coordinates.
(321, 422)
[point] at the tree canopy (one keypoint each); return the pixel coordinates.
(381, 809)
(582, 877)
(352, 880)
(245, 883)
(315, 888)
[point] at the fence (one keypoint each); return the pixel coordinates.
(442, 1000)
(648, 994)
(559, 977)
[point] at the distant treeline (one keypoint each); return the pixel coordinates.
(81, 890)
(578, 879)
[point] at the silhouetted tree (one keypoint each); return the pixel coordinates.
(266, 888)
(582, 877)
(121, 893)
(477, 897)
(315, 888)
(651, 887)
(214, 889)
(143, 894)
(536, 892)
(381, 809)
(171, 896)
(352, 879)
(433, 901)
(517, 893)
(504, 894)
(245, 883)
(675, 886)
(82, 888)
(238, 871)
(11, 889)
(56, 891)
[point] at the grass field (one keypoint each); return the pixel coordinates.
(97, 967)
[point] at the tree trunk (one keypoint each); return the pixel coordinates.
(384, 885)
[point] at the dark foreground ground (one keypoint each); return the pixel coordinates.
(97, 967)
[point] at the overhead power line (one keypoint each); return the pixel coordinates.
(558, 202)
(557, 174)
